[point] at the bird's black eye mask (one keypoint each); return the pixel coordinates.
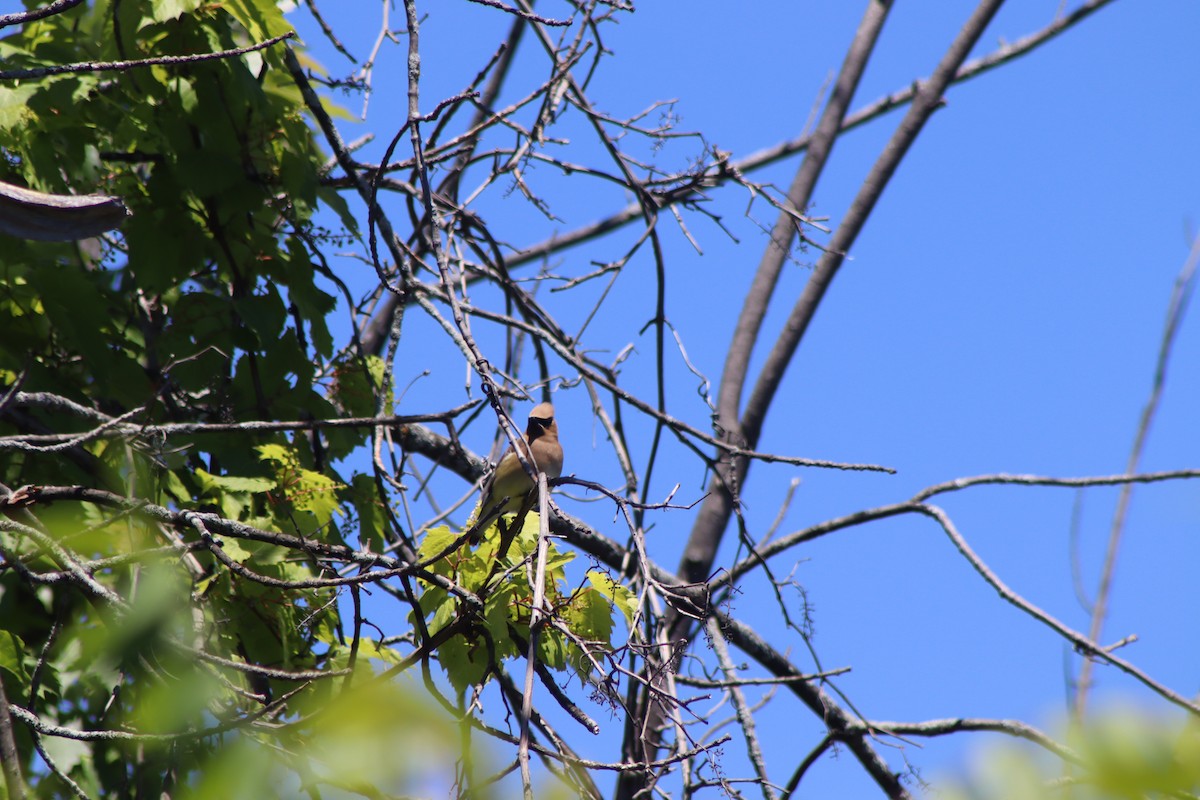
(537, 426)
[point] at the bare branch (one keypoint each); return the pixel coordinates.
(1180, 296)
(1082, 643)
(744, 715)
(121, 66)
(525, 15)
(1039, 480)
(21, 17)
(944, 727)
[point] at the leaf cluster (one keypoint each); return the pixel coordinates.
(577, 635)
(205, 308)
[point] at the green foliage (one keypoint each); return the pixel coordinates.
(500, 570)
(372, 521)
(220, 170)
(357, 384)
(1120, 755)
(308, 498)
(209, 307)
(204, 307)
(353, 742)
(12, 657)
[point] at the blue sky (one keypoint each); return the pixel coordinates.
(1001, 312)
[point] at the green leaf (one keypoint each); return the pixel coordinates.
(14, 103)
(165, 10)
(465, 662)
(279, 454)
(261, 18)
(372, 517)
(497, 618)
(12, 657)
(552, 649)
(589, 614)
(233, 483)
(237, 549)
(357, 384)
(263, 312)
(315, 494)
(436, 540)
(338, 204)
(617, 593)
(173, 487)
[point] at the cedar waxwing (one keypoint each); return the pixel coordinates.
(509, 479)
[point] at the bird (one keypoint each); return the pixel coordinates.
(509, 479)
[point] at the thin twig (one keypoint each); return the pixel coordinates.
(536, 614)
(1180, 296)
(744, 715)
(121, 66)
(1084, 644)
(48, 10)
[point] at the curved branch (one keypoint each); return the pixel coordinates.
(1081, 643)
(944, 727)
